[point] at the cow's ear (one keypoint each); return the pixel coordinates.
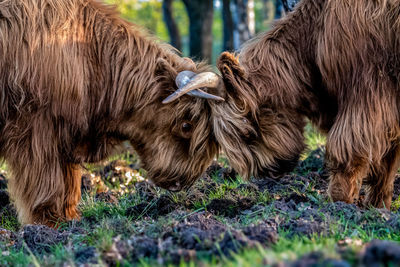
(165, 69)
(228, 64)
(235, 80)
(165, 75)
(233, 75)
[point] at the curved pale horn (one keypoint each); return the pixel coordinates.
(204, 79)
(184, 78)
(201, 94)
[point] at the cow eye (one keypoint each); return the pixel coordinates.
(246, 128)
(186, 127)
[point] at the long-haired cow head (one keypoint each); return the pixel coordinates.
(257, 139)
(175, 141)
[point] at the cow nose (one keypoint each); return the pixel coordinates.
(175, 188)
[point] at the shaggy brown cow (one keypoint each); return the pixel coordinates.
(77, 80)
(336, 63)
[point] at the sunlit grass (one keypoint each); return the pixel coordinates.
(314, 138)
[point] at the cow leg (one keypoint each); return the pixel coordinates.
(37, 183)
(347, 168)
(37, 188)
(46, 194)
(381, 180)
(72, 182)
(346, 181)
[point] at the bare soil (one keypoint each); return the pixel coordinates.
(199, 223)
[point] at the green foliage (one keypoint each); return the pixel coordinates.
(145, 13)
(314, 138)
(9, 221)
(148, 14)
(396, 204)
(16, 258)
(264, 14)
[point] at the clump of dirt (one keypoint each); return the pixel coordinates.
(394, 222)
(310, 174)
(201, 232)
(165, 205)
(315, 162)
(139, 210)
(40, 238)
(157, 207)
(222, 172)
(5, 235)
(288, 183)
(297, 198)
(107, 197)
(285, 207)
(233, 242)
(86, 255)
(320, 181)
(303, 227)
(7, 238)
(265, 233)
(182, 255)
(146, 191)
(199, 191)
(144, 247)
(318, 259)
(338, 210)
(229, 208)
(382, 253)
(198, 233)
(205, 184)
(118, 251)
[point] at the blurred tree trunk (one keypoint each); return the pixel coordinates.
(228, 25)
(267, 15)
(293, 3)
(201, 19)
(242, 21)
(173, 30)
(288, 5)
(285, 5)
(278, 9)
(265, 7)
(252, 17)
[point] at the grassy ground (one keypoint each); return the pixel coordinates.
(220, 221)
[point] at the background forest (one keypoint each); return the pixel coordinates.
(202, 29)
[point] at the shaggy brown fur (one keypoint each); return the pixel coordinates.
(335, 62)
(76, 81)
